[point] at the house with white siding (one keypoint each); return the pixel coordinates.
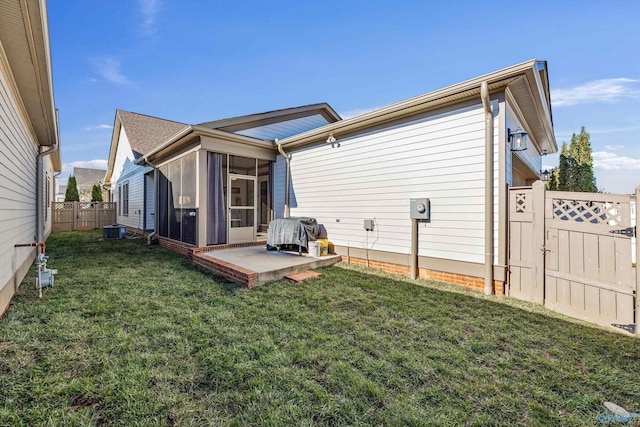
(29, 145)
(144, 147)
(456, 147)
(126, 183)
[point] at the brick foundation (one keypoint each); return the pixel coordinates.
(233, 273)
(470, 282)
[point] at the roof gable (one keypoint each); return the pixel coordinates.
(145, 132)
(88, 177)
(277, 124)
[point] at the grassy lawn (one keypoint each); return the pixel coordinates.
(132, 335)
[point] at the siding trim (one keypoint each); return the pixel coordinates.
(438, 264)
(10, 288)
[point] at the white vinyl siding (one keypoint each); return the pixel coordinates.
(531, 156)
(374, 175)
(133, 176)
(124, 170)
(18, 153)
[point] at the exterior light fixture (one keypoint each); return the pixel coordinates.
(517, 139)
(545, 175)
(331, 138)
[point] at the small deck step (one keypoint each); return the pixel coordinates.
(296, 278)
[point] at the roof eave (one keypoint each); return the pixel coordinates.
(497, 81)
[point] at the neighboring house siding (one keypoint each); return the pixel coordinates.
(17, 189)
(134, 176)
(374, 175)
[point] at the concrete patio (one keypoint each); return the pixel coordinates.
(253, 265)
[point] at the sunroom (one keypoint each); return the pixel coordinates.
(214, 181)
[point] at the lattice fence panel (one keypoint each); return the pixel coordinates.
(606, 213)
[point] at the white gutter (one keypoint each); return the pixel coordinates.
(287, 211)
(40, 205)
(488, 189)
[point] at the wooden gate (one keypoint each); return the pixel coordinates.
(572, 252)
(72, 216)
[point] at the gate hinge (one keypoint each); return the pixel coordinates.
(629, 231)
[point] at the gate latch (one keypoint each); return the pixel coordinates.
(629, 231)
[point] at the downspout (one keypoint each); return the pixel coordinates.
(287, 211)
(156, 181)
(39, 184)
(488, 189)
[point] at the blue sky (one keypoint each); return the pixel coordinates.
(196, 61)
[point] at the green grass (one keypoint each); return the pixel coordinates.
(132, 335)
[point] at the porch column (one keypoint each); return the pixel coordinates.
(201, 237)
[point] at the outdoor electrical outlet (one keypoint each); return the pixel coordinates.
(368, 224)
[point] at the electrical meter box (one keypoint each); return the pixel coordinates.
(420, 209)
(368, 224)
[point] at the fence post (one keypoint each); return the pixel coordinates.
(76, 207)
(96, 219)
(637, 319)
(538, 241)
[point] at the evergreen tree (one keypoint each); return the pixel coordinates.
(554, 180)
(96, 193)
(582, 167)
(72, 190)
(564, 169)
(575, 171)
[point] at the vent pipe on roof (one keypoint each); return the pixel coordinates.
(287, 211)
(488, 189)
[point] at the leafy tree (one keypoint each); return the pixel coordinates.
(72, 190)
(575, 170)
(96, 193)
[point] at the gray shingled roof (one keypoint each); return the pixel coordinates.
(85, 177)
(145, 132)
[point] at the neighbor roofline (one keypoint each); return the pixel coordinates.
(497, 81)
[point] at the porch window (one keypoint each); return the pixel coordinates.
(177, 212)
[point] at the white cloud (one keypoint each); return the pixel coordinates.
(613, 147)
(596, 91)
(356, 112)
(98, 127)
(612, 161)
(149, 9)
(109, 68)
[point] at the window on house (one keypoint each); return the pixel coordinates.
(123, 199)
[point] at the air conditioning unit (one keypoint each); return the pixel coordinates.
(114, 231)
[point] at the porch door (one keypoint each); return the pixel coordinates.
(264, 212)
(241, 200)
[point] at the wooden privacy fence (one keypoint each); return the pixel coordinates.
(72, 216)
(572, 252)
